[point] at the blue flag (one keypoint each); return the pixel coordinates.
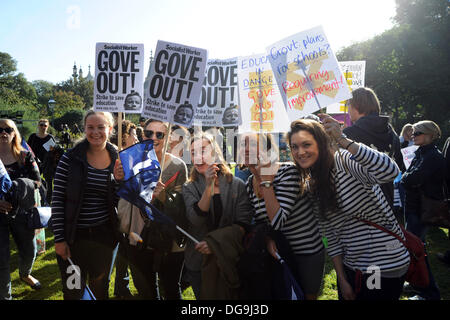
(292, 288)
(5, 180)
(142, 171)
(87, 294)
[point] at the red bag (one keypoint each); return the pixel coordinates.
(417, 274)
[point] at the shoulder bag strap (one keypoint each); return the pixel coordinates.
(383, 229)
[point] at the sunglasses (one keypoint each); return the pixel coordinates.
(7, 130)
(417, 133)
(149, 134)
(42, 124)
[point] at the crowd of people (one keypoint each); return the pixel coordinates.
(299, 210)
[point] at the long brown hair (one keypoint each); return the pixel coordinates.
(223, 167)
(317, 180)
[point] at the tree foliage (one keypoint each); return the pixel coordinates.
(408, 66)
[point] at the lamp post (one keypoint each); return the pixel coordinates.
(51, 109)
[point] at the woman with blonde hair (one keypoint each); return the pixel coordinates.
(84, 208)
(214, 200)
(406, 136)
(425, 176)
(13, 217)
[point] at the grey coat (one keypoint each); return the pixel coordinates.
(236, 208)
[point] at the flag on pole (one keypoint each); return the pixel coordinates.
(5, 181)
(292, 288)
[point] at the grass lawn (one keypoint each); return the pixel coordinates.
(47, 272)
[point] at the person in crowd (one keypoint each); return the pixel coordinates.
(19, 164)
(274, 192)
(425, 175)
(122, 280)
(445, 257)
(36, 141)
(406, 136)
(215, 201)
(373, 130)
(140, 129)
(151, 262)
(84, 207)
(179, 142)
(344, 187)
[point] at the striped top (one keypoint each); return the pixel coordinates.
(94, 207)
(295, 218)
(359, 195)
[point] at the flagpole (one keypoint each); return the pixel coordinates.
(187, 234)
(119, 129)
(166, 143)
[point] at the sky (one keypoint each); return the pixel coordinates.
(46, 37)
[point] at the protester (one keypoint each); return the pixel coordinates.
(154, 262)
(36, 141)
(179, 142)
(84, 208)
(122, 280)
(23, 171)
(217, 207)
(140, 129)
(344, 186)
(274, 192)
(374, 130)
(425, 175)
(406, 136)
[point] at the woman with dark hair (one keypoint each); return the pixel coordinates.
(214, 201)
(343, 186)
(84, 206)
(13, 216)
(273, 190)
(425, 175)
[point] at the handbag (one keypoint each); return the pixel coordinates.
(435, 212)
(417, 274)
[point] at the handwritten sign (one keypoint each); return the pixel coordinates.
(262, 107)
(354, 73)
(409, 154)
(176, 78)
(119, 74)
(219, 100)
(307, 72)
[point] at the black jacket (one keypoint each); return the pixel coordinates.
(375, 132)
(425, 174)
(76, 178)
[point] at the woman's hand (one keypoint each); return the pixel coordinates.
(119, 174)
(272, 248)
(346, 290)
(159, 189)
(211, 174)
(5, 207)
(266, 168)
(203, 248)
(62, 249)
(331, 126)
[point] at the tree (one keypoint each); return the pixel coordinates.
(81, 87)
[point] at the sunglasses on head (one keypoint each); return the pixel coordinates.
(7, 130)
(149, 134)
(417, 133)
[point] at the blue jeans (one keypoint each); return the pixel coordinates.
(26, 245)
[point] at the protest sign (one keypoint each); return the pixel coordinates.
(307, 73)
(262, 107)
(119, 74)
(408, 154)
(176, 78)
(218, 105)
(354, 74)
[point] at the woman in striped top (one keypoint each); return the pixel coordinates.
(275, 195)
(84, 214)
(344, 186)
